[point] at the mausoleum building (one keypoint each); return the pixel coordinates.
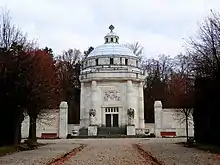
(111, 85)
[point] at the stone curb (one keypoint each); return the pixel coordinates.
(67, 156)
(147, 155)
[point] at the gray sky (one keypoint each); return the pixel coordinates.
(159, 25)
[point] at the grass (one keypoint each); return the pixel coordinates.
(6, 150)
(208, 148)
(204, 147)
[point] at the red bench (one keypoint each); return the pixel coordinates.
(48, 135)
(168, 134)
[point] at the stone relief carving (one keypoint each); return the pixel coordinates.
(92, 113)
(130, 113)
(112, 95)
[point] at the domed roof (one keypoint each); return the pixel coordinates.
(111, 46)
(111, 49)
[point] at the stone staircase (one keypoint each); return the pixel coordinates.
(105, 131)
(111, 131)
(83, 131)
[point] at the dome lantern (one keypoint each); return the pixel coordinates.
(111, 37)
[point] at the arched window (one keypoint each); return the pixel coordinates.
(96, 61)
(126, 61)
(111, 61)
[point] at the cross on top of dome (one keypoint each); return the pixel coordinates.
(111, 37)
(111, 27)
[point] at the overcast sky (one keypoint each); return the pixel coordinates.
(158, 25)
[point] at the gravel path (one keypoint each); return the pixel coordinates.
(175, 154)
(40, 156)
(108, 152)
(113, 152)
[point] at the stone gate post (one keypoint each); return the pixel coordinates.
(63, 120)
(157, 118)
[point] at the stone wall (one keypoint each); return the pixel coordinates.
(169, 122)
(51, 124)
(47, 123)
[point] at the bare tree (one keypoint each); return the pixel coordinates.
(68, 67)
(181, 88)
(10, 34)
(136, 48)
(204, 49)
(14, 68)
(87, 52)
(185, 115)
(158, 69)
(155, 86)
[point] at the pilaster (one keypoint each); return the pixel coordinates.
(141, 106)
(94, 97)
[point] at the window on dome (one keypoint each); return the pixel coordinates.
(106, 40)
(112, 39)
(116, 40)
(111, 61)
(96, 62)
(136, 63)
(126, 61)
(120, 60)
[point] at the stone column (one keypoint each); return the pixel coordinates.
(157, 118)
(141, 106)
(93, 97)
(129, 98)
(82, 107)
(63, 123)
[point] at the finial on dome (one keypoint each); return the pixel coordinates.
(111, 27)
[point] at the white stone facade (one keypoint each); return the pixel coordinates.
(111, 98)
(111, 83)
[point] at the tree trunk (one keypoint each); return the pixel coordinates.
(17, 129)
(187, 129)
(32, 128)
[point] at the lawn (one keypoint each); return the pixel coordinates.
(5, 150)
(8, 150)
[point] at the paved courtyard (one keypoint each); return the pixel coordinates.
(111, 152)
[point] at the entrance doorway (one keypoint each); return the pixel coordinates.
(112, 117)
(108, 120)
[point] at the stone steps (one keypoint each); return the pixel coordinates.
(83, 131)
(109, 136)
(105, 131)
(111, 131)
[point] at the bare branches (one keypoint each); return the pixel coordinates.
(10, 34)
(68, 67)
(205, 47)
(136, 48)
